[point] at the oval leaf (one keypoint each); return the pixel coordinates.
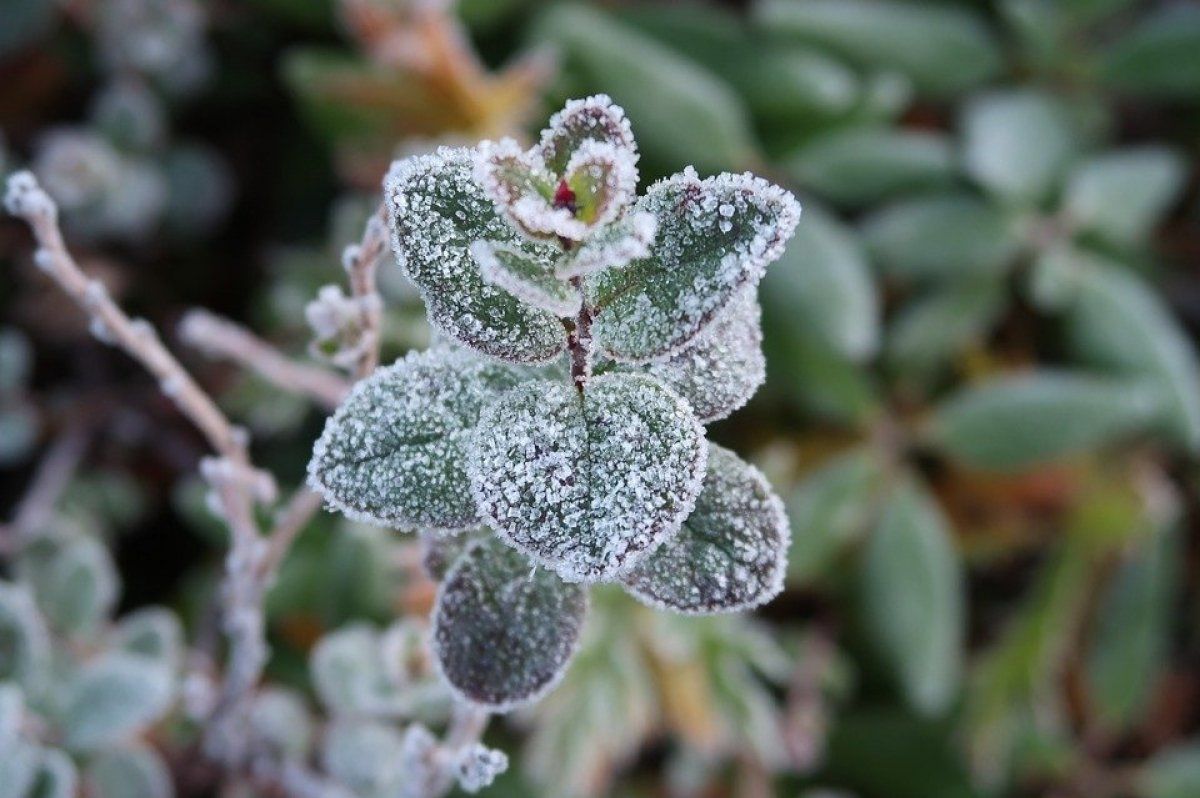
(436, 210)
(1017, 422)
(393, 453)
(731, 553)
(503, 633)
(114, 698)
(723, 367)
(587, 484)
(1120, 196)
(526, 278)
(913, 600)
(129, 772)
(714, 237)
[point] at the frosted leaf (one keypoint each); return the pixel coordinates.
(603, 181)
(587, 484)
(715, 236)
(351, 677)
(113, 698)
(153, 632)
(610, 247)
(523, 191)
(18, 769)
(722, 367)
(57, 776)
(133, 771)
(436, 210)
(75, 582)
(279, 720)
(24, 639)
(528, 279)
(595, 118)
(503, 632)
(364, 756)
(441, 552)
(393, 452)
(732, 551)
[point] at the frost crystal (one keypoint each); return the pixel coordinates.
(527, 279)
(503, 633)
(730, 554)
(393, 453)
(436, 211)
(698, 262)
(722, 368)
(595, 118)
(610, 248)
(478, 766)
(587, 484)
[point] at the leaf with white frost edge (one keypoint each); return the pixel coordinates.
(522, 190)
(715, 236)
(503, 632)
(436, 209)
(610, 247)
(731, 554)
(722, 368)
(594, 118)
(526, 278)
(587, 484)
(603, 179)
(115, 697)
(393, 453)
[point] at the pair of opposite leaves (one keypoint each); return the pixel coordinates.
(596, 485)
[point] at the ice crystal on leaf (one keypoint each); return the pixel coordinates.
(715, 237)
(587, 484)
(730, 554)
(394, 452)
(722, 368)
(437, 210)
(625, 325)
(503, 632)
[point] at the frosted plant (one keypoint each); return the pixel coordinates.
(555, 438)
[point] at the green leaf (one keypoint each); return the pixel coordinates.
(941, 237)
(595, 119)
(280, 720)
(437, 210)
(731, 553)
(350, 674)
(805, 372)
(858, 166)
(129, 772)
(719, 371)
(830, 510)
(75, 582)
(1120, 196)
(1130, 647)
(1118, 322)
(715, 237)
(1172, 773)
(942, 48)
(611, 247)
(1159, 56)
(528, 279)
(587, 483)
(1016, 422)
(153, 632)
(913, 598)
(934, 327)
(393, 453)
(367, 757)
(823, 286)
(24, 639)
(503, 633)
(681, 112)
(1018, 144)
(56, 777)
(113, 698)
(18, 769)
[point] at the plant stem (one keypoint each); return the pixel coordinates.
(580, 341)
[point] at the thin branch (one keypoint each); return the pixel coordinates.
(296, 514)
(361, 262)
(221, 338)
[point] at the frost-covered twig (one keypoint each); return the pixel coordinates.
(221, 338)
(361, 261)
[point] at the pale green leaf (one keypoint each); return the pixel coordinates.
(129, 772)
(830, 510)
(1120, 196)
(1159, 56)
(114, 698)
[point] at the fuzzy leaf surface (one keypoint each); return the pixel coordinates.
(732, 551)
(587, 484)
(528, 279)
(719, 371)
(394, 453)
(715, 236)
(503, 633)
(436, 210)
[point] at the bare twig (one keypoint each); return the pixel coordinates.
(361, 261)
(222, 338)
(54, 472)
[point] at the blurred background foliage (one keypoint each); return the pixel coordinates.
(983, 397)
